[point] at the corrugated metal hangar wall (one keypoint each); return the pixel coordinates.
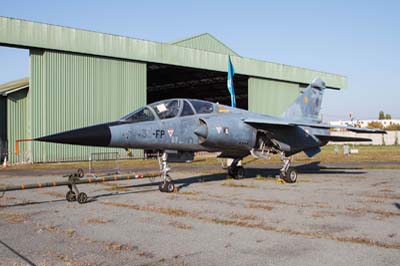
(71, 90)
(79, 78)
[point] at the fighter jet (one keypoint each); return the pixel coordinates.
(177, 128)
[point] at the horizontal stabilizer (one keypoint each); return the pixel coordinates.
(340, 138)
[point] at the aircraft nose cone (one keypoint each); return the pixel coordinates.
(201, 131)
(98, 135)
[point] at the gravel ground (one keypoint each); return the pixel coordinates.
(332, 216)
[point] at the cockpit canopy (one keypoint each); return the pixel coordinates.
(169, 109)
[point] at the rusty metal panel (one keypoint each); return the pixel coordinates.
(72, 90)
(271, 97)
(22, 33)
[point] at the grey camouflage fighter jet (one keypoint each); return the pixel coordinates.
(184, 126)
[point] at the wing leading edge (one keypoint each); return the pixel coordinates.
(263, 123)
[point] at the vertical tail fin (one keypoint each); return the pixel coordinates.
(307, 106)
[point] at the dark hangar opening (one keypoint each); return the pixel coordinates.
(165, 81)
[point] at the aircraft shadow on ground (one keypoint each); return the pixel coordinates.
(251, 172)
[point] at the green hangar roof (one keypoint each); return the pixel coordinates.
(14, 86)
(190, 52)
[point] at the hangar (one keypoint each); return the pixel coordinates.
(80, 77)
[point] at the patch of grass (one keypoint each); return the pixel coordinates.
(13, 217)
(96, 221)
(259, 206)
(70, 232)
(54, 194)
(117, 246)
(194, 193)
(114, 187)
(243, 217)
(180, 225)
(386, 190)
(323, 214)
(383, 196)
(233, 184)
(382, 213)
(260, 226)
(167, 211)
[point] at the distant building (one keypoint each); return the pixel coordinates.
(364, 123)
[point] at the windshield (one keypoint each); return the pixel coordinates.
(143, 114)
(202, 107)
(166, 109)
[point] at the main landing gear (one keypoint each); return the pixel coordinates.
(236, 171)
(289, 174)
(167, 185)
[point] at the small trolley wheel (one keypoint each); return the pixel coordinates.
(70, 196)
(82, 197)
(170, 187)
(80, 172)
(291, 175)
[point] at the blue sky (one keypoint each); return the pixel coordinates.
(359, 39)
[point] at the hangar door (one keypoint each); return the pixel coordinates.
(165, 81)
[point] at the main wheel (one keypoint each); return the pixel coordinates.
(240, 172)
(291, 175)
(82, 197)
(70, 196)
(170, 187)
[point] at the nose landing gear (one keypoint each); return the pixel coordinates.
(167, 185)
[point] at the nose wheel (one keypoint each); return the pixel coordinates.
(167, 185)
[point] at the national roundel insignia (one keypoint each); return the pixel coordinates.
(170, 132)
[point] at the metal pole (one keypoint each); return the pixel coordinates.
(76, 181)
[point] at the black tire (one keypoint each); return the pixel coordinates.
(82, 197)
(231, 171)
(170, 187)
(240, 172)
(162, 186)
(70, 196)
(291, 175)
(80, 173)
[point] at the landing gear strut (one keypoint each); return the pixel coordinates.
(235, 171)
(167, 185)
(289, 174)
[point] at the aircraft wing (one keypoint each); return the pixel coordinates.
(349, 128)
(265, 123)
(341, 138)
(261, 123)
